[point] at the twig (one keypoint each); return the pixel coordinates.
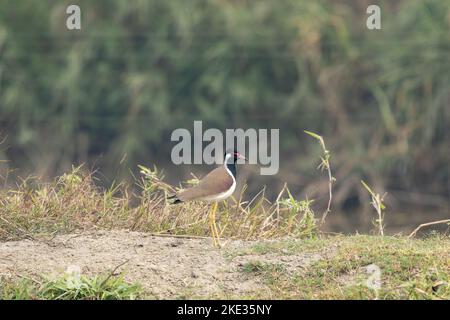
(185, 236)
(112, 272)
(412, 234)
(180, 227)
(28, 278)
(77, 236)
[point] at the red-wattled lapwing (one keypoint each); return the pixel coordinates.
(217, 185)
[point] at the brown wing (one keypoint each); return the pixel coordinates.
(215, 182)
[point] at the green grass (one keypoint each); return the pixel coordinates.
(410, 268)
(69, 287)
(260, 267)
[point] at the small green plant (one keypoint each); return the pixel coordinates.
(19, 290)
(72, 178)
(153, 180)
(301, 214)
(259, 267)
(325, 165)
(377, 203)
(70, 287)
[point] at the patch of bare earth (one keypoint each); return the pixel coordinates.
(165, 267)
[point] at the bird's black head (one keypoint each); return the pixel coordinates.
(234, 154)
(230, 158)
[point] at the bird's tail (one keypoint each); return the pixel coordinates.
(175, 198)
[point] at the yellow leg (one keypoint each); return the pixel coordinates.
(212, 224)
(211, 227)
(215, 226)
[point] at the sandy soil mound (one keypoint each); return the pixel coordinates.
(166, 267)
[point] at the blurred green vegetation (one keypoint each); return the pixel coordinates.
(139, 69)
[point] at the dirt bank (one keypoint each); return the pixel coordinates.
(166, 267)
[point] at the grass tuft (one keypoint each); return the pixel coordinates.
(73, 202)
(260, 267)
(70, 287)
